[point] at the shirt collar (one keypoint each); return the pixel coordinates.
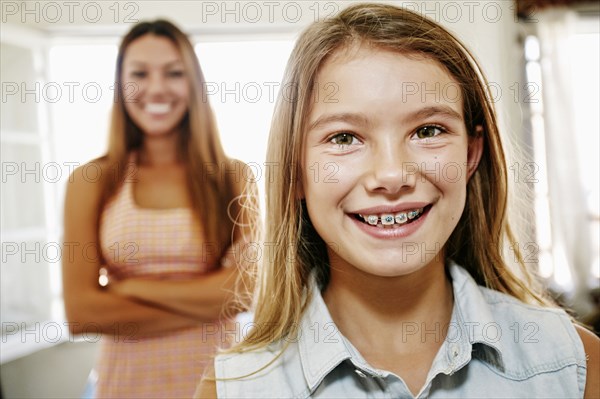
(322, 347)
(471, 309)
(472, 329)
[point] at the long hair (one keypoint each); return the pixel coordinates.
(211, 176)
(477, 241)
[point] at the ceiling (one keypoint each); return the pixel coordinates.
(112, 17)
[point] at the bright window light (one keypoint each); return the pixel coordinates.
(84, 78)
(243, 79)
(585, 65)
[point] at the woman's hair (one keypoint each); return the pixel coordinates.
(200, 149)
(296, 250)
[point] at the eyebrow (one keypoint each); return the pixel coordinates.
(167, 65)
(427, 112)
(357, 119)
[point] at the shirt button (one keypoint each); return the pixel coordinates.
(360, 373)
(454, 350)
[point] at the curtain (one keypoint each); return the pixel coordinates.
(568, 209)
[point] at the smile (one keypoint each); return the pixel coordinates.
(392, 219)
(157, 108)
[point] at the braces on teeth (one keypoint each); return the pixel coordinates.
(389, 219)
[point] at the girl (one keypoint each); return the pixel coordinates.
(162, 215)
(387, 224)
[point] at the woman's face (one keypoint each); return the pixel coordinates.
(155, 85)
(386, 161)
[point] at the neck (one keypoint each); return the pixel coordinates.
(368, 308)
(160, 151)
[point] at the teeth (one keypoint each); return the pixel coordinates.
(389, 219)
(157, 108)
(372, 219)
(401, 218)
(412, 214)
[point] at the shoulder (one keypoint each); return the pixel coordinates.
(90, 173)
(256, 362)
(529, 339)
(234, 176)
(591, 344)
(534, 340)
(207, 388)
(247, 374)
(491, 305)
(244, 174)
(544, 326)
(504, 304)
(86, 183)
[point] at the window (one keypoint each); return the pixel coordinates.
(27, 221)
(562, 61)
(243, 80)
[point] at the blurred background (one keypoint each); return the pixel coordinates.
(57, 69)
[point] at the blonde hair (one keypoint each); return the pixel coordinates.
(200, 147)
(478, 240)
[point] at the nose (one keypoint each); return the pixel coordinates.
(156, 85)
(391, 171)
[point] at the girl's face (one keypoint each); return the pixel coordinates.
(386, 161)
(155, 85)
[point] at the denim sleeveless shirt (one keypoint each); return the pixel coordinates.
(495, 346)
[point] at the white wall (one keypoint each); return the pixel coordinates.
(59, 372)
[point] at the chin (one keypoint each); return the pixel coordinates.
(403, 264)
(397, 270)
(158, 132)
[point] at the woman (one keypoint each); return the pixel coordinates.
(165, 216)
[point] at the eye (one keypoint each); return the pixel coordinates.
(429, 131)
(344, 139)
(138, 74)
(175, 73)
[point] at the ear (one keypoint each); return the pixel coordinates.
(474, 151)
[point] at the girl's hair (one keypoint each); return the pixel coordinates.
(199, 146)
(478, 240)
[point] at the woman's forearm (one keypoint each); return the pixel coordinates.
(203, 297)
(108, 313)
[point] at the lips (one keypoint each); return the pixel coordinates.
(390, 224)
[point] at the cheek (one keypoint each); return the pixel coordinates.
(327, 178)
(182, 91)
(130, 104)
(453, 185)
(131, 96)
(453, 174)
(447, 170)
(130, 86)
